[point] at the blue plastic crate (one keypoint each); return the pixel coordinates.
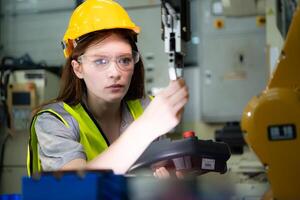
(71, 185)
(10, 197)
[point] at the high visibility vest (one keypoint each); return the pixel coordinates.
(91, 138)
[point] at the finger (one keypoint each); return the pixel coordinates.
(179, 175)
(155, 175)
(180, 81)
(173, 87)
(179, 95)
(179, 113)
(159, 173)
(179, 105)
(164, 172)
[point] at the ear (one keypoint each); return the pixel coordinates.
(77, 68)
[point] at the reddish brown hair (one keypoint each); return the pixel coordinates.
(72, 88)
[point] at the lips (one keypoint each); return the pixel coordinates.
(115, 86)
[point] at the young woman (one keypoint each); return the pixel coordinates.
(101, 118)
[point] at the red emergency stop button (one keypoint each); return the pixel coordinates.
(188, 134)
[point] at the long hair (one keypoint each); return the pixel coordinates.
(72, 89)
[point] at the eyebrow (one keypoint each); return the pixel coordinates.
(106, 54)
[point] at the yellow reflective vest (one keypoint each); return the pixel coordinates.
(91, 138)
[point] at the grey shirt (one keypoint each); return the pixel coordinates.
(58, 145)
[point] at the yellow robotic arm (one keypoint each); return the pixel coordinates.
(271, 121)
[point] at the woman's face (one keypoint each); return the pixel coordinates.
(106, 69)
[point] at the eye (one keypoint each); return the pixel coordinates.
(101, 61)
(126, 60)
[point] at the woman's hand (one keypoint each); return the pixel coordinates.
(162, 114)
(163, 173)
(166, 109)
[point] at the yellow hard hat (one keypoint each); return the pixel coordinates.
(95, 15)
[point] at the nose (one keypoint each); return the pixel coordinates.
(114, 71)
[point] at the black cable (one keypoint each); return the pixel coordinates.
(2, 151)
(4, 78)
(3, 93)
(5, 136)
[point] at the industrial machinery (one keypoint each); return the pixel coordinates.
(271, 120)
(21, 100)
(176, 32)
(189, 154)
(23, 86)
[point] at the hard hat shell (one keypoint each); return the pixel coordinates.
(95, 15)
